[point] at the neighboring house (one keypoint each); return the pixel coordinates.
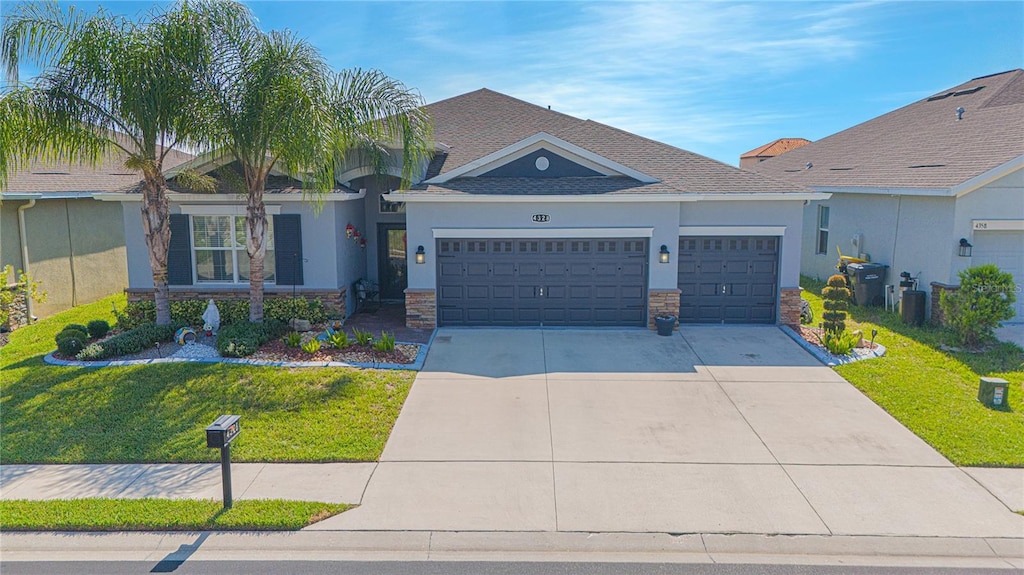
(52, 227)
(524, 216)
(921, 187)
(776, 148)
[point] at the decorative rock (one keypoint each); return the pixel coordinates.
(192, 350)
(299, 324)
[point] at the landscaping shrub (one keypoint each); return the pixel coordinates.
(385, 343)
(312, 346)
(840, 343)
(245, 338)
(837, 301)
(98, 328)
(129, 342)
(72, 331)
(297, 307)
(363, 337)
(292, 339)
(76, 327)
(136, 313)
(70, 344)
(985, 298)
(339, 339)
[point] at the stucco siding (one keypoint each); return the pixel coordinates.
(76, 249)
(350, 258)
(1002, 199)
(907, 233)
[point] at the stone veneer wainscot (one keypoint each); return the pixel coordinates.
(420, 308)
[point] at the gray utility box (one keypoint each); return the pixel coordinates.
(868, 283)
(221, 432)
(993, 392)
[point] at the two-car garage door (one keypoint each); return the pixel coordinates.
(542, 282)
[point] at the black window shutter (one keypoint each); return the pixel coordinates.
(288, 249)
(179, 252)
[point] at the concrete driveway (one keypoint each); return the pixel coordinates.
(716, 430)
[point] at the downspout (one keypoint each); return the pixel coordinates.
(25, 268)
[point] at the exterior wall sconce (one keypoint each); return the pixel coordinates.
(663, 254)
(965, 248)
(421, 256)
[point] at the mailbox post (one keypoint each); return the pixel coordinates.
(220, 434)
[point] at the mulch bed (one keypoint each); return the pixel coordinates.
(813, 335)
(277, 350)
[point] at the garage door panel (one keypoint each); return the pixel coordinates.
(543, 282)
(728, 279)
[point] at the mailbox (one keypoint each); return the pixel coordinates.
(221, 432)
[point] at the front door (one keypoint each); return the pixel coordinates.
(392, 266)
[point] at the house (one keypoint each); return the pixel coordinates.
(52, 226)
(524, 216)
(770, 150)
(931, 189)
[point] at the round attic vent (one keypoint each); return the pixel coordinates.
(542, 163)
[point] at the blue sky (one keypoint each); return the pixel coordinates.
(716, 78)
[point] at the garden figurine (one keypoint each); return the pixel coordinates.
(211, 317)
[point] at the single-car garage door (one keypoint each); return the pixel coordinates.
(728, 279)
(542, 282)
(1005, 249)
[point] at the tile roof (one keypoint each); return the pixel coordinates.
(479, 123)
(776, 148)
(921, 145)
(109, 176)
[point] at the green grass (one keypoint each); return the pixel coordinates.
(933, 392)
(162, 515)
(158, 413)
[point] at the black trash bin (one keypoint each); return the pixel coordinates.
(868, 283)
(912, 307)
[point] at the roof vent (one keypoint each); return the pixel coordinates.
(52, 173)
(791, 170)
(927, 166)
(968, 91)
(940, 96)
(808, 165)
(839, 169)
(960, 113)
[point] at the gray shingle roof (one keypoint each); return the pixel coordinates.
(545, 186)
(921, 145)
(482, 122)
(109, 176)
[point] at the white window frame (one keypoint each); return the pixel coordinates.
(820, 249)
(232, 214)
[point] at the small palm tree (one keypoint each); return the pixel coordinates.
(111, 86)
(277, 104)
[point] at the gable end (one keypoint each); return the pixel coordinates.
(542, 163)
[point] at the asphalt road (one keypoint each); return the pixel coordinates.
(459, 568)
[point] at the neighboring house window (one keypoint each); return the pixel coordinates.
(218, 243)
(387, 207)
(822, 230)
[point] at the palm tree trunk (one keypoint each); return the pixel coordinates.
(156, 226)
(256, 246)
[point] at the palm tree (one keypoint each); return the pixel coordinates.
(112, 86)
(277, 104)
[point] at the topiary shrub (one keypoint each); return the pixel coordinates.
(836, 301)
(72, 331)
(98, 328)
(71, 343)
(985, 298)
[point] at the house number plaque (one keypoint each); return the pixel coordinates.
(541, 218)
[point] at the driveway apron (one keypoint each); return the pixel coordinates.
(712, 430)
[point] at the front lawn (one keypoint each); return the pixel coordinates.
(162, 515)
(158, 413)
(933, 392)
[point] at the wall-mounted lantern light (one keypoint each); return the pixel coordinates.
(663, 254)
(965, 248)
(421, 256)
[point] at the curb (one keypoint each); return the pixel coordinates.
(514, 546)
(827, 358)
(416, 365)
